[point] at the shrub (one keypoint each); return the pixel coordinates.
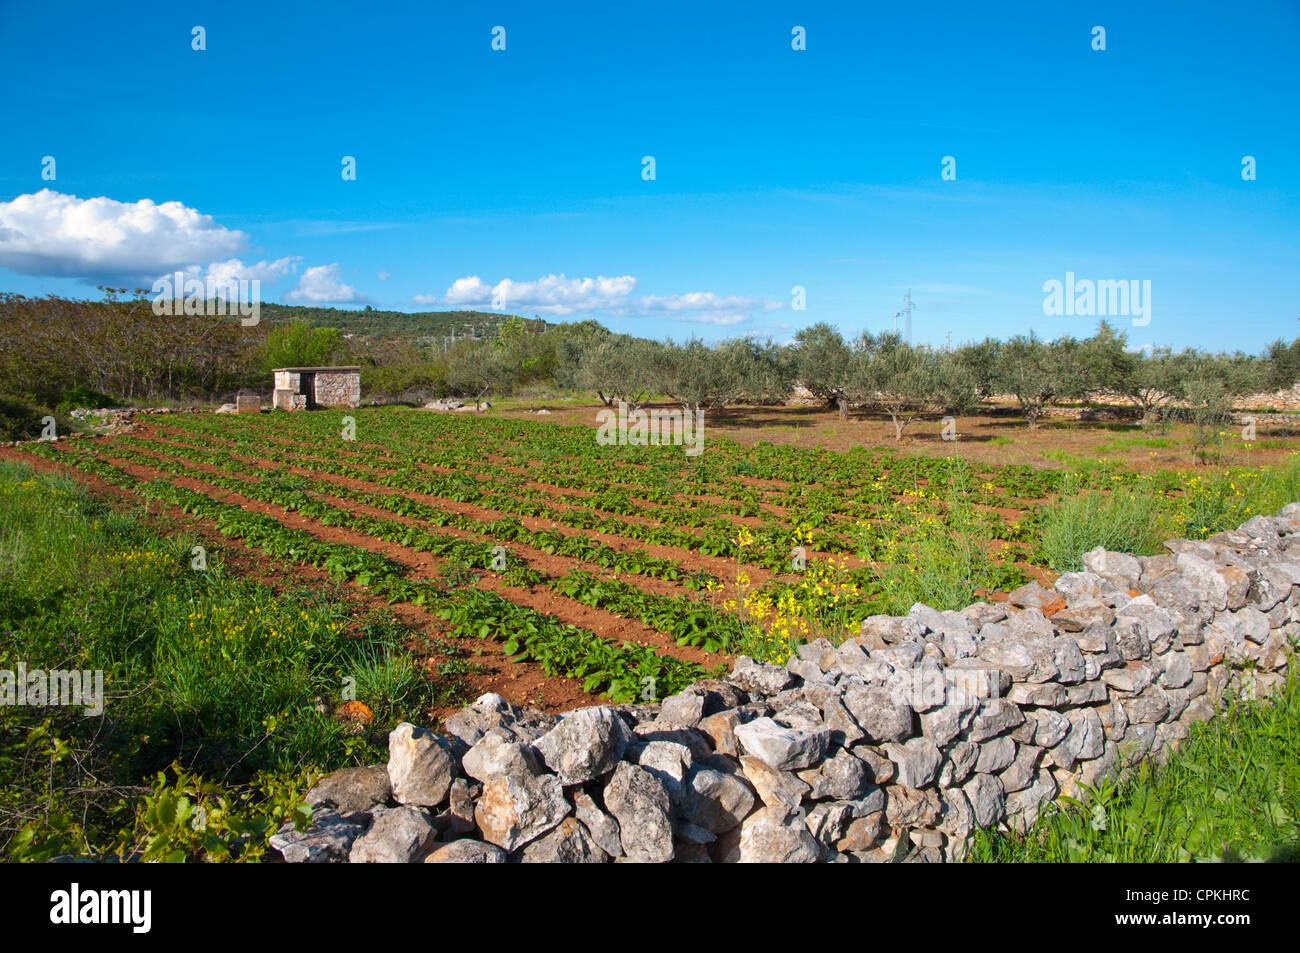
(83, 396)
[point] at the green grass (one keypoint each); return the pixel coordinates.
(1119, 520)
(1230, 792)
(218, 674)
(1104, 504)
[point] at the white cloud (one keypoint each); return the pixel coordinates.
(48, 233)
(323, 284)
(553, 294)
(560, 296)
(270, 272)
(383, 276)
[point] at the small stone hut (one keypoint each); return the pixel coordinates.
(307, 388)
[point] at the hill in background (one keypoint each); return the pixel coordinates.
(425, 326)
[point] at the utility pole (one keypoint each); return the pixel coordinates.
(907, 310)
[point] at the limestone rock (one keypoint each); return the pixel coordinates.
(585, 745)
(786, 749)
(641, 805)
(420, 766)
(399, 835)
(516, 809)
(769, 836)
(352, 790)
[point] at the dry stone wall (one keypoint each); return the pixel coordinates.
(894, 745)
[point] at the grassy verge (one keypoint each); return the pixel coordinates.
(1230, 792)
(1122, 511)
(218, 689)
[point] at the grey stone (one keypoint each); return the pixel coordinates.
(843, 778)
(568, 843)
(641, 805)
(994, 717)
(1080, 586)
(1204, 579)
(682, 709)
(1085, 739)
(879, 713)
(1046, 695)
(1151, 706)
(987, 799)
(786, 749)
(495, 756)
(1132, 678)
(995, 754)
(1119, 569)
(716, 801)
(1089, 693)
(958, 764)
(1052, 727)
(759, 678)
(917, 761)
(881, 630)
(352, 790)
(1021, 772)
(912, 807)
(1254, 624)
(326, 840)
(585, 745)
(1082, 614)
(980, 614)
(1024, 806)
(467, 851)
(769, 836)
(400, 835)
(1176, 670)
(602, 828)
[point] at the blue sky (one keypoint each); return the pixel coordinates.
(774, 168)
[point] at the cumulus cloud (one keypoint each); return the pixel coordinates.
(384, 276)
(50, 234)
(270, 272)
(553, 294)
(323, 284)
(561, 296)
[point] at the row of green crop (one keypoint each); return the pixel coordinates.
(618, 671)
(683, 619)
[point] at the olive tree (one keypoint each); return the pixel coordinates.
(701, 378)
(906, 381)
(823, 363)
(622, 368)
(1036, 373)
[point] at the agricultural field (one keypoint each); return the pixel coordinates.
(269, 595)
(575, 570)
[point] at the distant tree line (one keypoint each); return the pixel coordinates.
(119, 349)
